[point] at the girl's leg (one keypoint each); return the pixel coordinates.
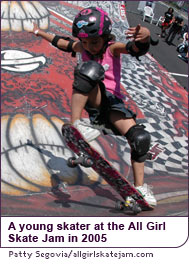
(163, 32)
(138, 173)
(79, 101)
(169, 35)
(120, 122)
(123, 125)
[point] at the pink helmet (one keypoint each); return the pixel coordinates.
(91, 22)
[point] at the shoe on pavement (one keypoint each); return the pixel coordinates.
(147, 194)
(87, 131)
(184, 58)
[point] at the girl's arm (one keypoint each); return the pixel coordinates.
(140, 41)
(61, 43)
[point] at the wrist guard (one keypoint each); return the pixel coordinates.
(69, 47)
(143, 48)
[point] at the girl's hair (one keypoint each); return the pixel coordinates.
(110, 37)
(107, 39)
(171, 9)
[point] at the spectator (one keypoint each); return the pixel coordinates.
(183, 48)
(168, 17)
(176, 28)
(183, 30)
(149, 3)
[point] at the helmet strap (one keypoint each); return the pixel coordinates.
(100, 54)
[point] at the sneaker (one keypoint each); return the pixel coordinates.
(184, 58)
(87, 131)
(147, 193)
(60, 189)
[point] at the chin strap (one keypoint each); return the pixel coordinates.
(100, 54)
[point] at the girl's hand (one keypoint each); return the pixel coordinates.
(33, 28)
(138, 33)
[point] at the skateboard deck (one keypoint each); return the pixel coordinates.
(89, 157)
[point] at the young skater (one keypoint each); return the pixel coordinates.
(96, 85)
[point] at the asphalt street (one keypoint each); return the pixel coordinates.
(165, 54)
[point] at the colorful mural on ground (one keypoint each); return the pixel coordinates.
(35, 102)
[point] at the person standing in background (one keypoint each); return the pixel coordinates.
(176, 28)
(168, 18)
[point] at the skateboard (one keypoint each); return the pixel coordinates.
(87, 156)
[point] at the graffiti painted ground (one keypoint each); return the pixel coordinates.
(36, 96)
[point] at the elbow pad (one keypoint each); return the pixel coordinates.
(69, 47)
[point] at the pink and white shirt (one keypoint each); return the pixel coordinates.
(112, 67)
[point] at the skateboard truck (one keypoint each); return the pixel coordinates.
(82, 160)
(130, 204)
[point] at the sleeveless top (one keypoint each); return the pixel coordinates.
(112, 67)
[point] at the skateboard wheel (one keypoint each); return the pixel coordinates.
(70, 162)
(136, 209)
(87, 162)
(119, 205)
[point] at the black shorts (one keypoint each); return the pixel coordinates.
(100, 117)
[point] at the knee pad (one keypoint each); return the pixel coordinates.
(87, 75)
(139, 140)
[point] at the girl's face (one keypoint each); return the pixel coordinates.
(170, 10)
(93, 45)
